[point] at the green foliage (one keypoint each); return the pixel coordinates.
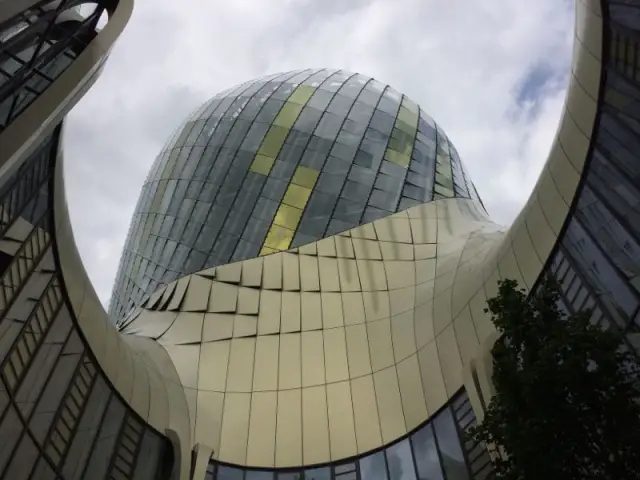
(566, 402)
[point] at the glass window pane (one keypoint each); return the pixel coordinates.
(400, 461)
(229, 473)
(317, 474)
(426, 454)
(373, 467)
(449, 444)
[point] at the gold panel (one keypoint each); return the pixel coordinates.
(366, 231)
(358, 350)
(450, 359)
(229, 273)
(296, 196)
(403, 335)
(542, 236)
(466, 336)
(396, 251)
(289, 431)
(196, 298)
(248, 301)
(245, 326)
(553, 206)
(240, 372)
(278, 238)
(265, 374)
(425, 251)
(262, 164)
(441, 311)
(331, 310)
(349, 279)
(272, 273)
(344, 247)
(365, 411)
(309, 276)
(335, 355)
(423, 321)
(235, 427)
(402, 300)
(305, 177)
(376, 305)
(435, 392)
(209, 419)
(341, 426)
(312, 359)
(290, 272)
(311, 311)
(508, 267)
(366, 249)
(380, 348)
(252, 272)
(290, 320)
(392, 422)
(269, 317)
(327, 247)
(289, 371)
(353, 307)
(400, 274)
(372, 275)
(413, 403)
(308, 249)
(223, 298)
(530, 265)
(394, 229)
(315, 425)
(178, 294)
(186, 329)
(287, 217)
(329, 280)
(262, 429)
(184, 357)
(481, 320)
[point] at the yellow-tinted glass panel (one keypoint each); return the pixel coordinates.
(288, 115)
(397, 158)
(273, 141)
(267, 251)
(296, 196)
(302, 94)
(305, 177)
(287, 216)
(262, 164)
(444, 191)
(278, 238)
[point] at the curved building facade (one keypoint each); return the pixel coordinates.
(279, 162)
(354, 351)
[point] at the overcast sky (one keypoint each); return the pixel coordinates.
(492, 73)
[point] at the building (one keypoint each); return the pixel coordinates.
(355, 350)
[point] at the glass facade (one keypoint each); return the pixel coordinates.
(276, 163)
(597, 260)
(36, 46)
(59, 415)
(434, 451)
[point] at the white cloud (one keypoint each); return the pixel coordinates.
(464, 62)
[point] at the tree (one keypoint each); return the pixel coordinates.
(566, 398)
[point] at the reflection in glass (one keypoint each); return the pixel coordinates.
(317, 474)
(449, 443)
(400, 461)
(373, 467)
(426, 454)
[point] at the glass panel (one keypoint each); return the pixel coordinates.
(400, 461)
(449, 444)
(426, 454)
(228, 473)
(317, 474)
(373, 467)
